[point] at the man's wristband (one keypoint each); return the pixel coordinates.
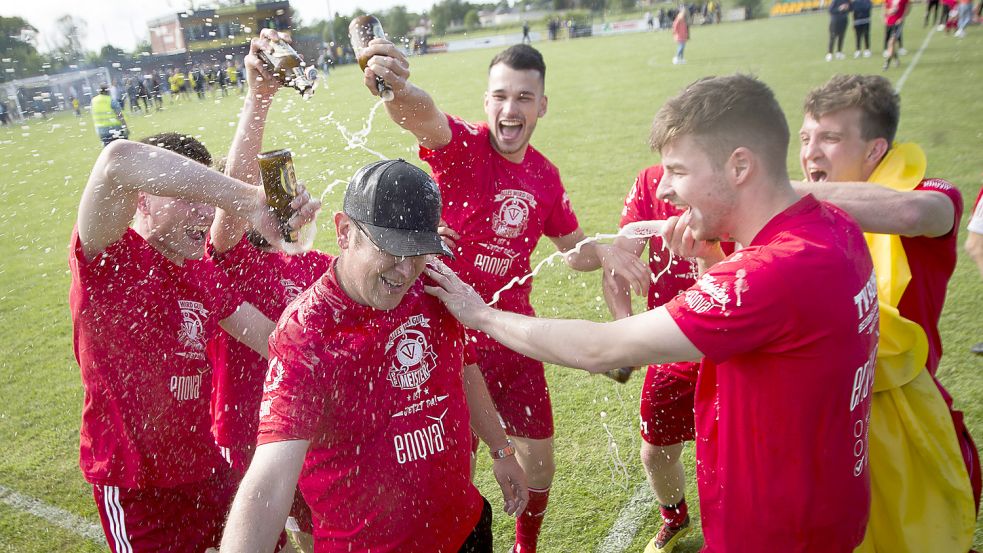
(507, 451)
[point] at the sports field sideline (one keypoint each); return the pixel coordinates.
(603, 93)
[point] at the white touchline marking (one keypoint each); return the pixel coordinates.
(914, 61)
(623, 531)
(54, 515)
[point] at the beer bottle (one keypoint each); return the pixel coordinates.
(280, 183)
(288, 68)
(361, 31)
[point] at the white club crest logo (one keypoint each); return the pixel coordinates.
(192, 332)
(274, 376)
(415, 359)
(290, 289)
(512, 216)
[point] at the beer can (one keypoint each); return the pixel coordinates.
(280, 184)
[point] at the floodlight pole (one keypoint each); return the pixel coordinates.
(330, 21)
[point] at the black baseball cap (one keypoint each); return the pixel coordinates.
(398, 206)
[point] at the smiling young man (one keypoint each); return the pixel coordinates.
(372, 395)
(144, 304)
(782, 404)
(502, 195)
(848, 155)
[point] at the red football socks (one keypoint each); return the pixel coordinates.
(528, 524)
(674, 515)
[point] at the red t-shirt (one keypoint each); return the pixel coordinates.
(674, 274)
(380, 395)
(500, 209)
(140, 328)
(269, 281)
(788, 326)
(895, 17)
(932, 262)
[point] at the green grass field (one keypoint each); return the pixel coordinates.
(603, 94)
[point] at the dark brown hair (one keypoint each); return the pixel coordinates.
(521, 57)
(187, 146)
(879, 104)
(723, 114)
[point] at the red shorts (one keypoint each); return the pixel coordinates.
(667, 407)
(517, 385)
(189, 517)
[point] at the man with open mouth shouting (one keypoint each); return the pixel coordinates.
(911, 224)
(502, 196)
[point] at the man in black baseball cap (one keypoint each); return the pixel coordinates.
(398, 207)
(373, 391)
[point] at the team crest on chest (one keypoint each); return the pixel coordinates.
(512, 216)
(290, 289)
(412, 358)
(192, 332)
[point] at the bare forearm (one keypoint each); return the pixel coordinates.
(587, 258)
(593, 347)
(414, 110)
(974, 247)
(484, 417)
(241, 164)
(263, 501)
(134, 167)
(250, 327)
(881, 210)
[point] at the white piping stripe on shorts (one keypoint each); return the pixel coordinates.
(117, 523)
(51, 514)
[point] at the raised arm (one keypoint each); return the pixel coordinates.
(881, 210)
(247, 143)
(651, 337)
(125, 169)
(593, 256)
(263, 501)
(486, 424)
(411, 108)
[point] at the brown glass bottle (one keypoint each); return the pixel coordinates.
(280, 183)
(288, 68)
(361, 31)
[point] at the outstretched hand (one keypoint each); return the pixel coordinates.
(388, 63)
(264, 220)
(512, 479)
(261, 82)
(620, 263)
(459, 298)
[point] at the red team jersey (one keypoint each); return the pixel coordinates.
(674, 274)
(380, 396)
(500, 209)
(140, 328)
(269, 281)
(788, 326)
(932, 262)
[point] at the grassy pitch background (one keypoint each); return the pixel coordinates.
(603, 93)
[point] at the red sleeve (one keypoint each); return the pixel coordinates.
(220, 296)
(122, 256)
(292, 407)
(459, 152)
(639, 202)
(734, 307)
(561, 220)
(947, 188)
